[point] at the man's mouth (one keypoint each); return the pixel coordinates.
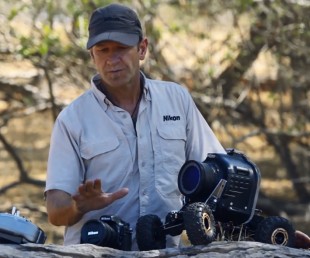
(115, 71)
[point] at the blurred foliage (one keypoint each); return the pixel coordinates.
(245, 62)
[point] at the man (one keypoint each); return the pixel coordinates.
(117, 149)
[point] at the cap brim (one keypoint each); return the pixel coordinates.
(120, 37)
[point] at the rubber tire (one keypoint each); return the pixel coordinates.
(149, 233)
(199, 223)
(281, 227)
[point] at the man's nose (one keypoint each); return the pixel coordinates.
(113, 58)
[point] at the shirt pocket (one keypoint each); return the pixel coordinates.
(100, 161)
(172, 147)
(92, 149)
(169, 158)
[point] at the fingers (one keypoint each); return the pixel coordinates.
(90, 187)
(94, 188)
(111, 197)
(119, 194)
(91, 197)
(97, 184)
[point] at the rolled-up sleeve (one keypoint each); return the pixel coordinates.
(64, 168)
(201, 140)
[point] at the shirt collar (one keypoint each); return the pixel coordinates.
(146, 91)
(95, 84)
(98, 93)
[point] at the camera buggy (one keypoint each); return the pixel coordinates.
(220, 196)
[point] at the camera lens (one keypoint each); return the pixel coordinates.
(197, 180)
(189, 177)
(98, 233)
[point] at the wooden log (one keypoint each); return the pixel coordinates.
(216, 249)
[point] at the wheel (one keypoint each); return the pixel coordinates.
(149, 233)
(275, 230)
(255, 221)
(199, 223)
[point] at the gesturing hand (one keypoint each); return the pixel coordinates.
(90, 196)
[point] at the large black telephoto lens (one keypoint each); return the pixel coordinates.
(197, 180)
(99, 233)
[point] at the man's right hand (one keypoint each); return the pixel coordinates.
(91, 197)
(65, 210)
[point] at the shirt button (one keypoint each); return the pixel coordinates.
(124, 116)
(143, 164)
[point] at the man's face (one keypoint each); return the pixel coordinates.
(117, 64)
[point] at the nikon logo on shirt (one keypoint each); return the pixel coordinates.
(171, 118)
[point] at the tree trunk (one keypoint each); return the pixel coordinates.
(215, 249)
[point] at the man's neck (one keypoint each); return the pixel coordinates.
(127, 99)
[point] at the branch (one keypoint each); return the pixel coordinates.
(10, 149)
(9, 186)
(23, 174)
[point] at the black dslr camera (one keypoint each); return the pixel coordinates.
(108, 231)
(220, 196)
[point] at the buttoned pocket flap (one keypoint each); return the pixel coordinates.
(172, 132)
(91, 149)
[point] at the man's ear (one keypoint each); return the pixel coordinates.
(91, 54)
(143, 48)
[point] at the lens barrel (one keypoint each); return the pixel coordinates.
(196, 180)
(98, 233)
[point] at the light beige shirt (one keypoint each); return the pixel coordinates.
(92, 139)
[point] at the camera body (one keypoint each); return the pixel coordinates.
(15, 229)
(108, 231)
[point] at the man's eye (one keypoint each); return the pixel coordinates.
(123, 48)
(103, 49)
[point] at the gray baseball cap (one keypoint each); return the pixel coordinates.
(114, 22)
